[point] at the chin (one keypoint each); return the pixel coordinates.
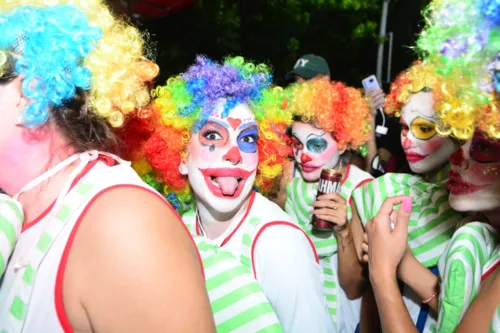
(312, 176)
(222, 205)
(423, 167)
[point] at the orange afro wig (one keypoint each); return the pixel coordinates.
(337, 108)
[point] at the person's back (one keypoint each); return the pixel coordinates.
(92, 231)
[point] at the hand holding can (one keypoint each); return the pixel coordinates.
(323, 220)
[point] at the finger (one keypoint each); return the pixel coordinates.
(403, 216)
(337, 197)
(365, 258)
(365, 237)
(364, 247)
(329, 204)
(328, 218)
(329, 212)
(388, 205)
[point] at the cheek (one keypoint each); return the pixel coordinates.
(330, 152)
(484, 174)
(250, 160)
(432, 145)
(204, 155)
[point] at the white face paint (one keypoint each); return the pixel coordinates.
(425, 150)
(222, 159)
(474, 183)
(314, 150)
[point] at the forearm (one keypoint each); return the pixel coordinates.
(350, 269)
(394, 316)
(421, 280)
(369, 320)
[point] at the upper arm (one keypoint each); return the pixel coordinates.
(479, 315)
(357, 231)
(291, 278)
(143, 270)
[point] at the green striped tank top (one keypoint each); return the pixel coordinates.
(430, 228)
(11, 222)
(237, 300)
(472, 251)
(300, 197)
(432, 221)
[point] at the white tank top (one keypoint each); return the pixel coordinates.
(44, 312)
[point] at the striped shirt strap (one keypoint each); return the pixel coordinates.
(21, 292)
(462, 265)
(11, 222)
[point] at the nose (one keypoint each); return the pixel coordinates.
(304, 158)
(407, 143)
(233, 156)
(457, 158)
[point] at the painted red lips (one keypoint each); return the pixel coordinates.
(414, 157)
(308, 168)
(459, 186)
(226, 183)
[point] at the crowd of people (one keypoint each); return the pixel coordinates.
(201, 205)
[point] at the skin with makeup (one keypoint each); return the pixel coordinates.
(99, 250)
(231, 159)
(315, 149)
(428, 156)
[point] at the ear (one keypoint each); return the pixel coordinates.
(341, 147)
(183, 169)
(15, 90)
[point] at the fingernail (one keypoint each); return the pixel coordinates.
(407, 204)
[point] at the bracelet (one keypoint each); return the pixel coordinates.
(429, 299)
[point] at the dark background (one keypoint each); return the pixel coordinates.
(277, 32)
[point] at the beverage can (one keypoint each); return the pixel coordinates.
(330, 181)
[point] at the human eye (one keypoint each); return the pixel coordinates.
(316, 145)
(212, 135)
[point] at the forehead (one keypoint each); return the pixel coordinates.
(303, 129)
(420, 105)
(241, 112)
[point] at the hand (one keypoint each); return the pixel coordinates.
(332, 207)
(376, 99)
(365, 248)
(388, 245)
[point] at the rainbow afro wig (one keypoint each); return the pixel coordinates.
(339, 109)
(61, 46)
(462, 39)
(158, 137)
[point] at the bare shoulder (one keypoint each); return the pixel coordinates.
(132, 254)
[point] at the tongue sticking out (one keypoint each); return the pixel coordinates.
(228, 185)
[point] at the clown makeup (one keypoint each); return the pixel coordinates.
(222, 159)
(425, 150)
(474, 183)
(314, 150)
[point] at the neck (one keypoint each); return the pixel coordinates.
(35, 153)
(493, 217)
(216, 223)
(438, 174)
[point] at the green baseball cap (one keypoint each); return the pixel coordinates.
(309, 66)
